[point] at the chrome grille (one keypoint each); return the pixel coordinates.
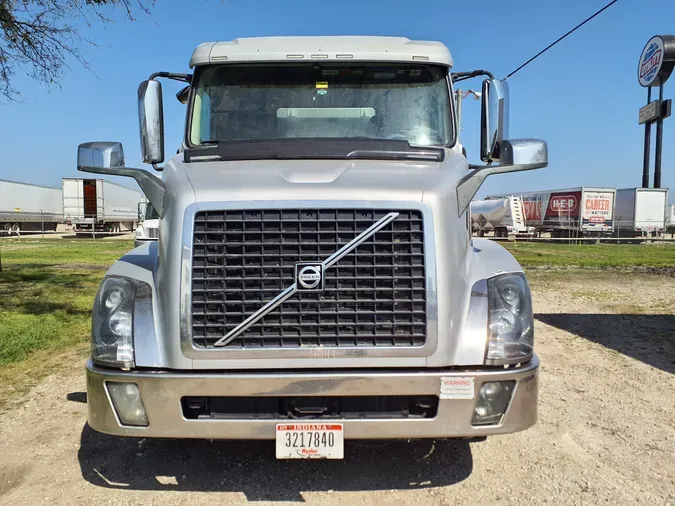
(374, 296)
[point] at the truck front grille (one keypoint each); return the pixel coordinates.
(373, 297)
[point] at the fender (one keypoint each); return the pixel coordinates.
(486, 259)
(150, 349)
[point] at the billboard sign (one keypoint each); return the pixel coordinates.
(656, 61)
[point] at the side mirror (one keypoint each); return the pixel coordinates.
(183, 95)
(105, 156)
(151, 121)
(494, 124)
(101, 155)
(515, 155)
(108, 158)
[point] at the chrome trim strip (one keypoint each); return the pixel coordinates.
(358, 240)
(310, 353)
(260, 313)
(279, 299)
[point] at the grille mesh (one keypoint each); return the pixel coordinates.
(375, 296)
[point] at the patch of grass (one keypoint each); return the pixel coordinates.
(47, 289)
(593, 256)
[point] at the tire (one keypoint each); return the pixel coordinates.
(16, 229)
(7, 229)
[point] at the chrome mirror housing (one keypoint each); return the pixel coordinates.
(494, 125)
(151, 121)
(101, 155)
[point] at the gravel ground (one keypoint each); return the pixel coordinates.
(606, 431)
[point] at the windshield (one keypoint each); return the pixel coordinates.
(151, 213)
(331, 101)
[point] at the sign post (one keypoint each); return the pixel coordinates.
(654, 68)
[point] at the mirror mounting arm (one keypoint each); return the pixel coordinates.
(517, 155)
(186, 78)
(152, 186)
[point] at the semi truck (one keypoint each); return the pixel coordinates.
(641, 211)
(28, 207)
(570, 212)
(97, 205)
(148, 224)
(315, 280)
(504, 217)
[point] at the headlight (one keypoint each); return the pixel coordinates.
(139, 232)
(113, 320)
(509, 319)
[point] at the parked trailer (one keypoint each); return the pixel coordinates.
(580, 211)
(96, 205)
(641, 211)
(505, 217)
(670, 218)
(28, 207)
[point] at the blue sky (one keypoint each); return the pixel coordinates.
(582, 96)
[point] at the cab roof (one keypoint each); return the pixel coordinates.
(335, 48)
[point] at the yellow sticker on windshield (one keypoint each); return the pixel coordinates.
(322, 85)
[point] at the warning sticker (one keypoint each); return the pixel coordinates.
(457, 387)
(322, 85)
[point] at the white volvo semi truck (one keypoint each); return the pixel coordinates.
(315, 279)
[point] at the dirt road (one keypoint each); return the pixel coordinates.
(606, 431)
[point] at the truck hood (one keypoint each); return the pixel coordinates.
(319, 180)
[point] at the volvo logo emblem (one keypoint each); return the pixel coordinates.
(309, 276)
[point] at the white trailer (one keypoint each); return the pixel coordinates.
(505, 217)
(670, 218)
(28, 207)
(96, 205)
(580, 211)
(641, 211)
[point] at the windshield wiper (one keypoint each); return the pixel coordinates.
(312, 149)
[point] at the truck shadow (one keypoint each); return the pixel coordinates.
(250, 467)
(648, 338)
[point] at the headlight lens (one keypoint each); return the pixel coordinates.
(112, 322)
(510, 319)
(139, 232)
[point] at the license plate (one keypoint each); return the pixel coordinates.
(310, 441)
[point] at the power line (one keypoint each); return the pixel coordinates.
(561, 38)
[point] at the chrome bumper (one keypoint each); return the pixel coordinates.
(162, 391)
